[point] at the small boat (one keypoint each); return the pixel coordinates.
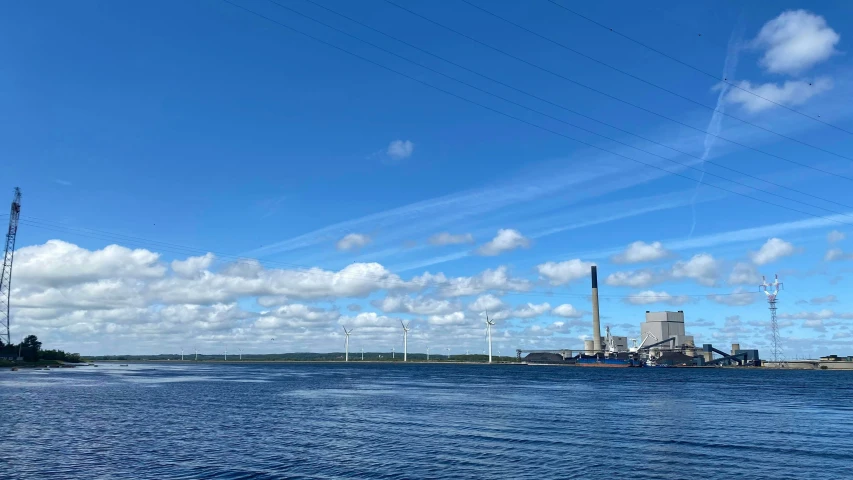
(14, 369)
(123, 365)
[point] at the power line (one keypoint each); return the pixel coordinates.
(185, 250)
(447, 92)
(556, 105)
(692, 67)
(558, 75)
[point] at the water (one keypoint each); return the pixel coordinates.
(423, 421)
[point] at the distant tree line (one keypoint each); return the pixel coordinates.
(30, 350)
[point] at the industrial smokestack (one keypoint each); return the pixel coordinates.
(596, 321)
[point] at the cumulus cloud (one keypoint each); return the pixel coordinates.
(744, 274)
(531, 310)
(649, 296)
(824, 300)
(455, 318)
(795, 41)
(497, 279)
(738, 298)
(824, 314)
(192, 266)
(566, 310)
(636, 279)
(486, 303)
(58, 263)
(835, 236)
(754, 98)
(772, 250)
(506, 240)
(414, 305)
(445, 238)
(400, 149)
(702, 268)
(640, 252)
(353, 241)
(564, 272)
(295, 316)
(834, 254)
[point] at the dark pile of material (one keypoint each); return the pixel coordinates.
(674, 358)
(544, 358)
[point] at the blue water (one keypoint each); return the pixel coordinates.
(424, 421)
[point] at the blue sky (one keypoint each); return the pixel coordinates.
(184, 128)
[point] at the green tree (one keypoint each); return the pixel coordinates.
(31, 348)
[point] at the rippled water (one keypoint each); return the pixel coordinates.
(424, 421)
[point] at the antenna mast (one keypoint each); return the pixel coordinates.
(772, 291)
(6, 274)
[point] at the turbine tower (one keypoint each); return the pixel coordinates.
(405, 340)
(6, 273)
(489, 324)
(346, 345)
(772, 291)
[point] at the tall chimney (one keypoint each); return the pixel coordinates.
(596, 322)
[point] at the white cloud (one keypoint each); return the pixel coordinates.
(295, 316)
(416, 305)
(738, 298)
(567, 310)
(823, 300)
(702, 268)
(368, 320)
(795, 41)
(58, 263)
(491, 279)
(824, 314)
(791, 93)
(835, 236)
(455, 318)
(834, 254)
(636, 279)
(744, 274)
(564, 272)
(400, 149)
(506, 240)
(192, 266)
(772, 250)
(531, 310)
(486, 303)
(639, 252)
(353, 241)
(649, 296)
(445, 238)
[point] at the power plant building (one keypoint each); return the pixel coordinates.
(664, 325)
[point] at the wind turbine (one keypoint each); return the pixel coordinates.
(448, 352)
(427, 354)
(241, 354)
(196, 353)
(362, 354)
(405, 340)
(226, 353)
(489, 324)
(182, 354)
(346, 357)
(392, 353)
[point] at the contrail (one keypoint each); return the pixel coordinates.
(715, 125)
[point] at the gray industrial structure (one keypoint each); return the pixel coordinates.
(663, 325)
(663, 342)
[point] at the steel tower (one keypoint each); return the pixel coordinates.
(772, 291)
(6, 274)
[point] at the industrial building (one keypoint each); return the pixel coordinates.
(663, 342)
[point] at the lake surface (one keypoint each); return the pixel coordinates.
(424, 421)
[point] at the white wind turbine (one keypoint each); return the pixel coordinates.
(405, 340)
(346, 354)
(489, 324)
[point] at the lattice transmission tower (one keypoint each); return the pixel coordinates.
(772, 291)
(6, 274)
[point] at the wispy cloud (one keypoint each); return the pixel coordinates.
(62, 182)
(715, 124)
